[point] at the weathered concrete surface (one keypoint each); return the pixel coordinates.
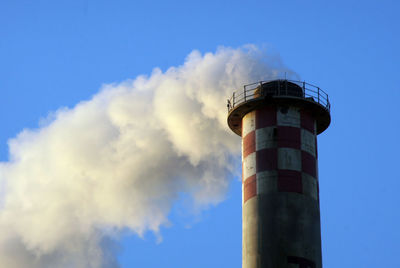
(289, 225)
(308, 142)
(281, 218)
(278, 225)
(248, 123)
(288, 116)
(251, 223)
(289, 159)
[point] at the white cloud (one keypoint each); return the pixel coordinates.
(121, 159)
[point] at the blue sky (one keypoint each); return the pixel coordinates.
(58, 53)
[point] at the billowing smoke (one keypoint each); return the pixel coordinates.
(121, 159)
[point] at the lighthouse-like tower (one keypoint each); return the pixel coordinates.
(279, 121)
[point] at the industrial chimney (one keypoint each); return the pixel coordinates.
(279, 121)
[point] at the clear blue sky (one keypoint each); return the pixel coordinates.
(57, 53)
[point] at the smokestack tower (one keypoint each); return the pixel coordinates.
(279, 121)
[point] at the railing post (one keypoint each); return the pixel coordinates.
(244, 93)
(279, 87)
(304, 89)
(286, 85)
(328, 104)
(233, 100)
(318, 94)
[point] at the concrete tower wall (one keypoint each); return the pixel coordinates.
(281, 218)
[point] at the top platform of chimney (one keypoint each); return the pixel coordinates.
(282, 92)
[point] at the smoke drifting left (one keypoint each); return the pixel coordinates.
(120, 160)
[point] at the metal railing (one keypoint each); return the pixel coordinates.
(250, 92)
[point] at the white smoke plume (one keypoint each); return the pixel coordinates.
(121, 159)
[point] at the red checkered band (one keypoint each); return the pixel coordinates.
(279, 152)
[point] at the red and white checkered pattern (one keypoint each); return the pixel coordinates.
(279, 152)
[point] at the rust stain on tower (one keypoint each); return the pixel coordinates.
(279, 121)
